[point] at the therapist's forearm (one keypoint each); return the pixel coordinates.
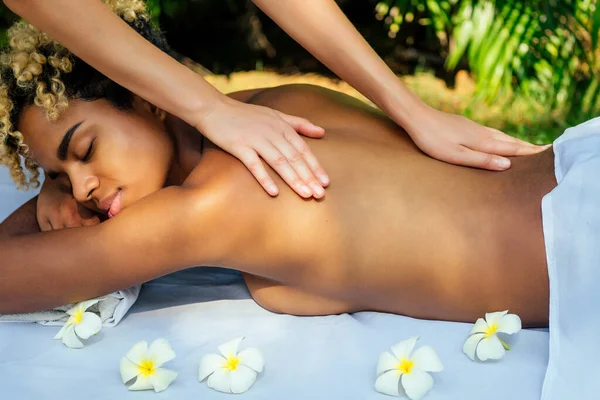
(323, 29)
(86, 26)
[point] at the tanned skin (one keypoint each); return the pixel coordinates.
(397, 231)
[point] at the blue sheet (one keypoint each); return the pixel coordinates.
(306, 357)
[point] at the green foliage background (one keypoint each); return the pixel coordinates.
(546, 51)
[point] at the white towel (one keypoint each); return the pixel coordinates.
(571, 219)
(111, 310)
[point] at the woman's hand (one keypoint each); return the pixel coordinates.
(58, 209)
(458, 140)
(248, 131)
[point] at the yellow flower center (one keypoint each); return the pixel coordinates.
(405, 366)
(491, 330)
(146, 368)
(78, 316)
(231, 364)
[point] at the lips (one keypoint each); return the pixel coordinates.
(112, 204)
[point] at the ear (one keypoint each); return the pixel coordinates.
(141, 104)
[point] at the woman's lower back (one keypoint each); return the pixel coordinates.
(398, 231)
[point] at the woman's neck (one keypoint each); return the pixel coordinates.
(188, 146)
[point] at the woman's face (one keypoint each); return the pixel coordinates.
(111, 157)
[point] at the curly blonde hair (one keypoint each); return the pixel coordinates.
(36, 69)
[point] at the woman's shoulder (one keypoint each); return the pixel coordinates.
(223, 177)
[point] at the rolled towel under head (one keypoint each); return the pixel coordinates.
(111, 310)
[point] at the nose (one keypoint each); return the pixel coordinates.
(84, 186)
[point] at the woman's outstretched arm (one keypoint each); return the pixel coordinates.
(23, 221)
(90, 30)
(162, 233)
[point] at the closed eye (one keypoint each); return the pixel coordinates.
(88, 155)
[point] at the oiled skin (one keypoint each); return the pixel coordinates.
(397, 232)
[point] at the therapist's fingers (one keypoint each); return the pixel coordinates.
(478, 159)
(287, 163)
(250, 159)
(496, 134)
(297, 159)
(303, 126)
(309, 158)
(506, 148)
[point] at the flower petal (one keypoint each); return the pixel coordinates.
(494, 318)
(230, 348)
(209, 364)
(138, 352)
(490, 348)
(160, 351)
(220, 380)
(162, 378)
(402, 350)
(70, 339)
(471, 344)
(417, 383)
(242, 379)
(253, 358)
(509, 324)
(141, 383)
(480, 326)
(61, 332)
(386, 363)
(128, 370)
(388, 382)
(74, 310)
(90, 325)
(426, 359)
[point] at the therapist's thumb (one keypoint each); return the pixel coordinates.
(303, 126)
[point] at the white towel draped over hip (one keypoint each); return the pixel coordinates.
(571, 219)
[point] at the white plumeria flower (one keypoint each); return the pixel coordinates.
(409, 368)
(231, 372)
(484, 340)
(80, 325)
(143, 364)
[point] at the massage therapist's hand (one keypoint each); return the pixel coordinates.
(58, 209)
(248, 131)
(458, 140)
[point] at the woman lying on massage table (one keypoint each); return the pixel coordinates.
(411, 244)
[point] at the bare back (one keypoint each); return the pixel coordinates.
(397, 231)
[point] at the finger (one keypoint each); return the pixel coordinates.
(506, 148)
(45, 225)
(477, 159)
(72, 224)
(255, 166)
(496, 134)
(69, 216)
(296, 160)
(280, 163)
(300, 145)
(303, 126)
(91, 221)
